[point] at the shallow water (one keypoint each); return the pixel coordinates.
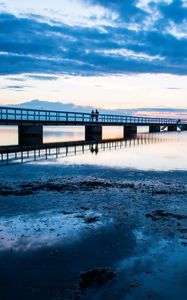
(164, 151)
(84, 210)
(159, 151)
(47, 237)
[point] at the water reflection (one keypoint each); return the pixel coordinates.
(9, 135)
(49, 151)
(30, 232)
(145, 151)
(55, 134)
(63, 134)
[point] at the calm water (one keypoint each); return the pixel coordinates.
(160, 151)
(48, 234)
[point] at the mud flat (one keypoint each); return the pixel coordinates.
(79, 232)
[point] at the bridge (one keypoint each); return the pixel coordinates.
(30, 123)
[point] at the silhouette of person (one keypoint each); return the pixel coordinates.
(92, 149)
(96, 115)
(92, 115)
(96, 149)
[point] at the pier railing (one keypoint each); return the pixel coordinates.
(33, 115)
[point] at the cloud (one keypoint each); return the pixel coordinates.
(15, 87)
(15, 79)
(175, 11)
(119, 37)
(151, 15)
(73, 13)
(42, 77)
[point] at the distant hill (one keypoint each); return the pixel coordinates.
(47, 105)
(152, 112)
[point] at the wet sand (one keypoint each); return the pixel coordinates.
(79, 232)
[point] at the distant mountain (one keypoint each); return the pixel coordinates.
(47, 105)
(59, 106)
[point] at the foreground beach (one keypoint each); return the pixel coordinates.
(87, 232)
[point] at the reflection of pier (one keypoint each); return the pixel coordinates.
(21, 154)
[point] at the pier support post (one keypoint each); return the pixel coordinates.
(183, 127)
(129, 130)
(154, 128)
(93, 132)
(172, 127)
(29, 135)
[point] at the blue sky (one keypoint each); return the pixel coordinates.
(112, 54)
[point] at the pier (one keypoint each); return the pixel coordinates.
(30, 123)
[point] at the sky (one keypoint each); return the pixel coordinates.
(104, 53)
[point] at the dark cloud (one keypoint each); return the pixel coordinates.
(17, 88)
(14, 87)
(175, 11)
(42, 77)
(128, 11)
(15, 79)
(30, 46)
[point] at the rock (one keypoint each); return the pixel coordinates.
(95, 278)
(183, 244)
(159, 214)
(90, 220)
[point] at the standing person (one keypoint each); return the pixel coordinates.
(92, 115)
(96, 115)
